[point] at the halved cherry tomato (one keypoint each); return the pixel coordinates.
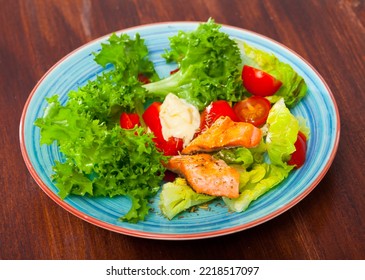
(215, 110)
(258, 82)
(299, 156)
(171, 147)
(143, 79)
(151, 118)
(129, 121)
(254, 110)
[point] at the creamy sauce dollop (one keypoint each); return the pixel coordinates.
(179, 118)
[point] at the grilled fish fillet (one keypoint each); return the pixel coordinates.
(225, 133)
(206, 174)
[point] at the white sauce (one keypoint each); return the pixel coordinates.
(179, 118)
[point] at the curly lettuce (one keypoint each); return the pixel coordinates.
(100, 158)
(117, 89)
(209, 67)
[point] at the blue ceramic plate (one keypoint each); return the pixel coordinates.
(74, 70)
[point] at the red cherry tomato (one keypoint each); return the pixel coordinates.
(258, 82)
(214, 111)
(143, 79)
(129, 121)
(299, 156)
(171, 147)
(151, 118)
(253, 110)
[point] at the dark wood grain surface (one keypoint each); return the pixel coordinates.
(329, 34)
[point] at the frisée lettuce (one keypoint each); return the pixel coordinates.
(102, 161)
(209, 67)
(101, 158)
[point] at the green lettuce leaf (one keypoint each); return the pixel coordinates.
(117, 89)
(140, 205)
(303, 127)
(242, 156)
(209, 67)
(282, 133)
(177, 197)
(128, 56)
(70, 180)
(102, 161)
(293, 88)
(100, 158)
(255, 183)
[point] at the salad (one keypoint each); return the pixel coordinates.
(121, 132)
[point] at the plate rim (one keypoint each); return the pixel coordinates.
(175, 236)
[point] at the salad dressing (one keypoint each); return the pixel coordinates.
(179, 119)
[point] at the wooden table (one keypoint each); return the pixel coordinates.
(329, 34)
